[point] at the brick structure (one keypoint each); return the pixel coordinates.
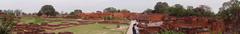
(188, 25)
(150, 23)
(100, 15)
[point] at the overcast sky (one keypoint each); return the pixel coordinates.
(31, 6)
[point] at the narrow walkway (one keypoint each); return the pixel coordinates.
(129, 31)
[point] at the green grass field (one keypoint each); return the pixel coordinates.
(38, 20)
(79, 29)
(93, 29)
(35, 20)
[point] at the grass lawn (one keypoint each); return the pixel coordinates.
(55, 18)
(38, 20)
(35, 20)
(92, 29)
(80, 29)
(55, 23)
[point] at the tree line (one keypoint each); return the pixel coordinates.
(229, 12)
(179, 11)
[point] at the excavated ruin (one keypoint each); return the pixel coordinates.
(156, 23)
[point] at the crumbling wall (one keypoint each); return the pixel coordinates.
(188, 25)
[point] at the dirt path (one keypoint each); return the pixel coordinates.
(129, 31)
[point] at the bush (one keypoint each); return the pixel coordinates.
(6, 24)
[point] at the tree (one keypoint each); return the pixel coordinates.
(203, 10)
(229, 4)
(111, 10)
(177, 10)
(147, 11)
(1, 11)
(47, 10)
(178, 6)
(189, 7)
(190, 11)
(12, 12)
(18, 12)
(230, 13)
(161, 7)
(75, 12)
(224, 10)
(125, 10)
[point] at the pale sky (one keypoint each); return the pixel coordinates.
(30, 6)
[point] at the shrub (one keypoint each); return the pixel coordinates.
(6, 24)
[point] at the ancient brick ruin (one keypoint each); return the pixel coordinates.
(187, 25)
(148, 23)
